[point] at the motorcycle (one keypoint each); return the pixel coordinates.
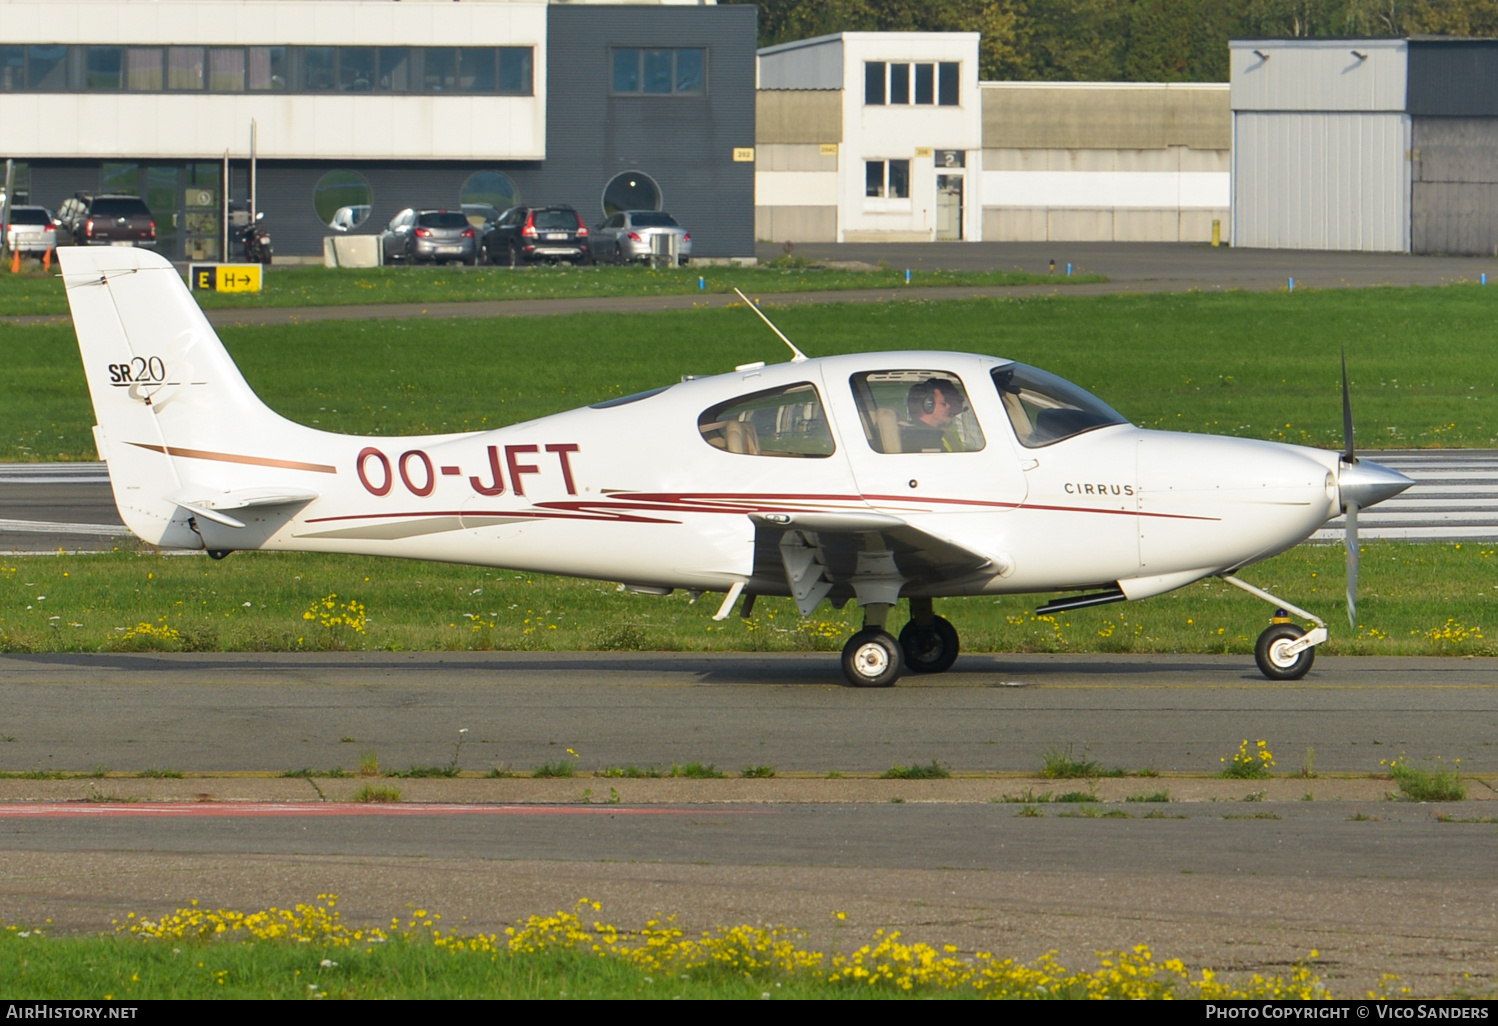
(256, 241)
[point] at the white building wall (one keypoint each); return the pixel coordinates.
(322, 126)
(913, 133)
(1321, 180)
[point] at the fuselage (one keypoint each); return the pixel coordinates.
(655, 492)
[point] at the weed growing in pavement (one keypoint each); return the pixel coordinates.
(1162, 795)
(1308, 765)
(631, 772)
(934, 771)
(1248, 763)
(1426, 785)
(1061, 765)
(160, 774)
(758, 772)
(1030, 812)
(559, 768)
(377, 793)
(697, 771)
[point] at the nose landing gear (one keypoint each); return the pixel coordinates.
(1284, 651)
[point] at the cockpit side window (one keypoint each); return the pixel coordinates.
(1045, 409)
(788, 421)
(906, 411)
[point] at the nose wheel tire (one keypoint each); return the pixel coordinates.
(931, 649)
(872, 659)
(1272, 658)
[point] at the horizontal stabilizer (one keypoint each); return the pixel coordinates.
(212, 504)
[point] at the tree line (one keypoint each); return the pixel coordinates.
(1121, 40)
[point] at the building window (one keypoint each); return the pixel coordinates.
(226, 70)
(268, 68)
(659, 72)
(184, 67)
(946, 84)
(633, 190)
(873, 83)
(489, 70)
(899, 84)
(104, 67)
(486, 195)
(925, 83)
(903, 84)
(143, 69)
(887, 179)
(343, 200)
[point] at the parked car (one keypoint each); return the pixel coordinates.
(525, 235)
(31, 230)
(483, 217)
(107, 221)
(438, 236)
(626, 237)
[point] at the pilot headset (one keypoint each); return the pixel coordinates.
(922, 398)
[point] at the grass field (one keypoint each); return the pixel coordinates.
(1252, 364)
(40, 293)
(1430, 599)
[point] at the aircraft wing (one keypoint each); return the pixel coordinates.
(863, 554)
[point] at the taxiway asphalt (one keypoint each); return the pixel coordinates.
(279, 712)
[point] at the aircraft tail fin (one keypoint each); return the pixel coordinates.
(176, 419)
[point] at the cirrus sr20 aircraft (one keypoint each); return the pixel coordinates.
(876, 477)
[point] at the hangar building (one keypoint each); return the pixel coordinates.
(1384, 145)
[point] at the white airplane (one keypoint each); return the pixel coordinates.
(875, 477)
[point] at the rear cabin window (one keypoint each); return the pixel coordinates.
(650, 219)
(787, 421)
(443, 219)
(907, 411)
(120, 208)
(33, 215)
(1045, 409)
(556, 220)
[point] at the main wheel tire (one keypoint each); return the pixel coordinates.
(1270, 654)
(872, 659)
(930, 649)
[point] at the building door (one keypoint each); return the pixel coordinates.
(948, 207)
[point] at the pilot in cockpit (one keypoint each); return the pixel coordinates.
(933, 405)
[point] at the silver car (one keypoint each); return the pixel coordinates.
(627, 237)
(429, 236)
(31, 230)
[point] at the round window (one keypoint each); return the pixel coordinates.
(633, 190)
(343, 200)
(486, 195)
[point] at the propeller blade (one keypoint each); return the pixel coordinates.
(1347, 454)
(1352, 564)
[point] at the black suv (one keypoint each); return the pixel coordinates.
(107, 220)
(525, 235)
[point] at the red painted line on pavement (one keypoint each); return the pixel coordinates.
(34, 810)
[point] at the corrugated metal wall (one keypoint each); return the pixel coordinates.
(685, 143)
(1306, 180)
(1454, 197)
(1453, 77)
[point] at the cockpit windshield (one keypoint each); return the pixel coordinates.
(1045, 409)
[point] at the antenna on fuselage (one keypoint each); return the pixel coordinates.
(797, 355)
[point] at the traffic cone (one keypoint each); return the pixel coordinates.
(15, 263)
(47, 260)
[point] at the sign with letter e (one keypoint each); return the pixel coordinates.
(224, 277)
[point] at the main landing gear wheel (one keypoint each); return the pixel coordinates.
(872, 659)
(929, 649)
(1274, 662)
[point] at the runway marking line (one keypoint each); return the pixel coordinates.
(45, 810)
